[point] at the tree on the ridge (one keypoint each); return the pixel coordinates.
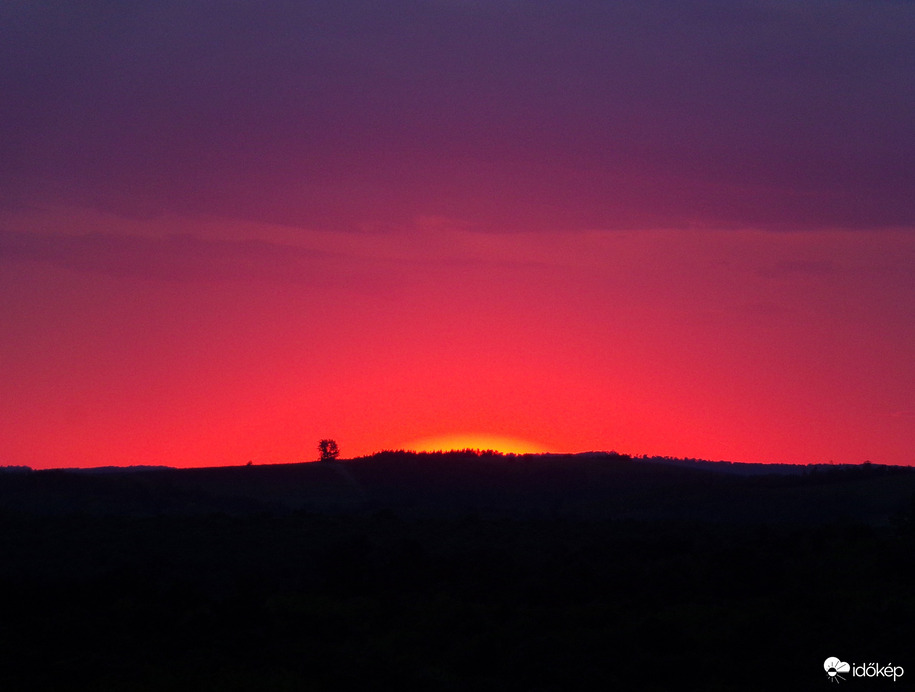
(329, 450)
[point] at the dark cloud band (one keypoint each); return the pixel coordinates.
(504, 114)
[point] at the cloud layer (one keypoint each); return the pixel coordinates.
(503, 114)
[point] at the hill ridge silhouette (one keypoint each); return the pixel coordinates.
(587, 485)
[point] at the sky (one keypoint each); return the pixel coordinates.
(231, 229)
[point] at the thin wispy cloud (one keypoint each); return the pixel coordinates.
(172, 258)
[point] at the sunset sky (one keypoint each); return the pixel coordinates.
(231, 229)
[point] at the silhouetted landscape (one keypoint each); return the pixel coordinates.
(232, 231)
(454, 571)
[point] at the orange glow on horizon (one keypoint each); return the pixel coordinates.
(478, 441)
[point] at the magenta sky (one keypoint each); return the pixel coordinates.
(228, 230)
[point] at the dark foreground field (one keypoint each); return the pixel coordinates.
(422, 572)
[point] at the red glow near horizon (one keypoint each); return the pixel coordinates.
(720, 345)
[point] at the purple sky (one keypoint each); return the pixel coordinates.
(506, 115)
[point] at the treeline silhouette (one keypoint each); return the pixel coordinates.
(587, 486)
(428, 571)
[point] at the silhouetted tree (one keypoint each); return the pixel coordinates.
(329, 450)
